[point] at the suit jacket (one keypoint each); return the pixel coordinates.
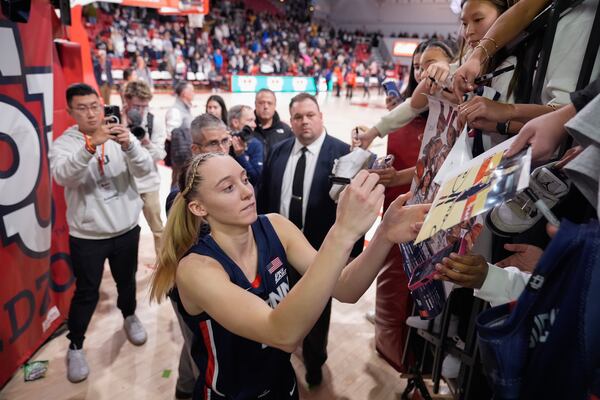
(320, 210)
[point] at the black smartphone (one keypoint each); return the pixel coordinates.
(112, 114)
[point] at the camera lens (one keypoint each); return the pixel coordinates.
(138, 132)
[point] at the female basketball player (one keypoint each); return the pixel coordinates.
(231, 285)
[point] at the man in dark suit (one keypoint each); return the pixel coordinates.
(296, 185)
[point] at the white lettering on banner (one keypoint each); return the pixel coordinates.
(20, 130)
(276, 298)
(275, 83)
(247, 83)
(10, 63)
(299, 84)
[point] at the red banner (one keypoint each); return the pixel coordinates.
(36, 280)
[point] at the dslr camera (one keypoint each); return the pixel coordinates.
(134, 119)
(245, 134)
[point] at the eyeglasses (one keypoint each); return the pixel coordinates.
(95, 108)
(215, 144)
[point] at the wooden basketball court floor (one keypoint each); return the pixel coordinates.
(121, 371)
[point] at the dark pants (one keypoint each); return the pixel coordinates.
(88, 257)
(314, 346)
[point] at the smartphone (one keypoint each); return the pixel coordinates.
(391, 89)
(112, 114)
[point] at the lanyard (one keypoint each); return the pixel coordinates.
(89, 145)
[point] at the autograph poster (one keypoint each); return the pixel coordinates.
(481, 184)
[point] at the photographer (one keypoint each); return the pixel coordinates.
(151, 135)
(96, 162)
(247, 150)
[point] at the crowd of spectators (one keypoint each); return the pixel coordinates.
(232, 40)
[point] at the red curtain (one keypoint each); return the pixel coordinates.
(36, 280)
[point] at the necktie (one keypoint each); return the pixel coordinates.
(298, 190)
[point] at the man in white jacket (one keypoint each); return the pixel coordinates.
(96, 163)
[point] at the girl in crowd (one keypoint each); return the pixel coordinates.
(430, 52)
(477, 16)
(215, 105)
(232, 287)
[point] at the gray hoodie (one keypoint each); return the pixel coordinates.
(99, 206)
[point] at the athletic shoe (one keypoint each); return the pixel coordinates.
(135, 330)
(348, 166)
(519, 214)
(77, 367)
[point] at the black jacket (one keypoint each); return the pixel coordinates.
(321, 210)
(277, 132)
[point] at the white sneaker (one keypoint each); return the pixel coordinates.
(519, 214)
(418, 323)
(135, 330)
(450, 367)
(77, 366)
(347, 166)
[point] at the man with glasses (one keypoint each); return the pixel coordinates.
(151, 134)
(96, 162)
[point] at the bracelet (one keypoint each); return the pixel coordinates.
(487, 55)
(501, 128)
(508, 127)
(491, 40)
(89, 147)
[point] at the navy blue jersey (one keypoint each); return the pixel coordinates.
(233, 367)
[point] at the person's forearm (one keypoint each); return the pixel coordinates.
(297, 313)
(508, 26)
(69, 167)
(525, 112)
(419, 98)
(140, 161)
(360, 273)
(398, 117)
(502, 285)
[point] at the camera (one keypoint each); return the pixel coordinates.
(112, 114)
(134, 119)
(245, 134)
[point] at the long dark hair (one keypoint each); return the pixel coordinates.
(218, 99)
(412, 82)
(501, 55)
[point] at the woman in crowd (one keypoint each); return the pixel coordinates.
(215, 105)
